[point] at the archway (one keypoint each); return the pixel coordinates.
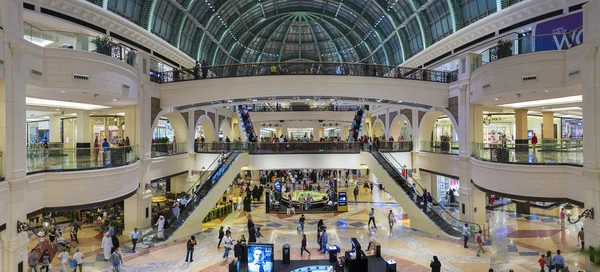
(436, 124)
(205, 128)
(378, 129)
(400, 128)
(225, 130)
(171, 125)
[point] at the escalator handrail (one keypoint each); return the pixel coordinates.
(432, 200)
(191, 189)
(225, 164)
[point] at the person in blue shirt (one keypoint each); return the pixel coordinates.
(105, 145)
(559, 261)
(466, 233)
(324, 240)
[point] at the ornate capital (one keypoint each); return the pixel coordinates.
(463, 87)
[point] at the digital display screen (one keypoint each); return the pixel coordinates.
(277, 185)
(342, 200)
(260, 258)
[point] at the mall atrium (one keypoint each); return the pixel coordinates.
(392, 135)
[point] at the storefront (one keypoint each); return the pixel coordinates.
(497, 125)
(109, 127)
(443, 126)
(164, 130)
(572, 128)
(268, 132)
(444, 184)
(37, 131)
(332, 132)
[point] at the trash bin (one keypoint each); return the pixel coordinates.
(332, 253)
(390, 266)
(378, 249)
(286, 254)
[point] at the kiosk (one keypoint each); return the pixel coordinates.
(356, 259)
(342, 202)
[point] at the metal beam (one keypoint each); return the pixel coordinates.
(148, 14)
(456, 14)
(271, 36)
(422, 26)
(312, 31)
(300, 37)
(180, 23)
(285, 38)
(335, 46)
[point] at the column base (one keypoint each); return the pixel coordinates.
(522, 145)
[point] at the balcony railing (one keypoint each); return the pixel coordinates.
(528, 44)
(440, 147)
(277, 148)
(404, 146)
(77, 41)
(70, 159)
(303, 68)
(276, 108)
(562, 153)
(168, 149)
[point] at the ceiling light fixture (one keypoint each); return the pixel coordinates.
(30, 101)
(545, 102)
(496, 98)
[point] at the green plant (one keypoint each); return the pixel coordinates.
(104, 41)
(445, 138)
(162, 140)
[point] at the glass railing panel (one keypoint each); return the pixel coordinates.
(399, 146)
(65, 159)
(302, 147)
(567, 152)
(439, 147)
(168, 149)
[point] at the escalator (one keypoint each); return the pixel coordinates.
(205, 193)
(401, 190)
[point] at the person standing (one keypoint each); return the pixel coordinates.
(580, 237)
(324, 240)
(549, 261)
(78, 257)
(258, 235)
(106, 246)
(52, 235)
(252, 235)
(63, 257)
(191, 243)
(542, 262)
(372, 218)
(301, 220)
(32, 261)
(111, 229)
(391, 219)
(303, 246)
(115, 243)
(465, 233)
(480, 243)
(204, 69)
(160, 234)
(117, 260)
(45, 260)
(227, 244)
(559, 261)
(563, 214)
(238, 250)
(355, 193)
(436, 265)
(534, 140)
(221, 235)
(134, 236)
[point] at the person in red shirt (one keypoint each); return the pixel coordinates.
(563, 214)
(542, 262)
(534, 140)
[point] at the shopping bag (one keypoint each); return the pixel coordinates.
(578, 244)
(73, 264)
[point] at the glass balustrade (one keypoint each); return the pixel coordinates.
(68, 159)
(77, 41)
(567, 152)
(277, 148)
(168, 149)
(529, 44)
(439, 147)
(385, 146)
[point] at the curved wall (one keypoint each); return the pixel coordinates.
(169, 165)
(440, 163)
(197, 91)
(64, 189)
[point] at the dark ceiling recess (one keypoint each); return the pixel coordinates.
(28, 6)
(531, 21)
(576, 7)
(73, 20)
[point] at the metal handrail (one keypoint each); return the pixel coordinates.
(303, 68)
(432, 200)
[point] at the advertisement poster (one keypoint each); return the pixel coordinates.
(556, 33)
(260, 257)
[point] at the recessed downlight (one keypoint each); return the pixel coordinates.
(114, 99)
(496, 98)
(63, 91)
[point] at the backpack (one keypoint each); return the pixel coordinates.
(478, 239)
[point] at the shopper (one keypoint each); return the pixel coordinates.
(227, 242)
(45, 261)
(238, 250)
(258, 235)
(134, 236)
(466, 233)
(78, 257)
(549, 261)
(580, 238)
(559, 261)
(117, 260)
(32, 261)
(221, 235)
(301, 220)
(52, 235)
(563, 214)
(303, 247)
(161, 227)
(534, 140)
(191, 243)
(480, 243)
(324, 241)
(372, 218)
(436, 265)
(542, 262)
(106, 246)
(391, 219)
(63, 257)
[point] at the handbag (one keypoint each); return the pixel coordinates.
(73, 264)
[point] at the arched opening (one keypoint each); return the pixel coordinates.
(205, 129)
(168, 127)
(401, 129)
(438, 132)
(378, 129)
(225, 130)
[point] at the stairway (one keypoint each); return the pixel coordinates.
(245, 125)
(357, 124)
(203, 198)
(442, 218)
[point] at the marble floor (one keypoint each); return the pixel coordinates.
(515, 240)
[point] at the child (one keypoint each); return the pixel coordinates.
(542, 262)
(258, 235)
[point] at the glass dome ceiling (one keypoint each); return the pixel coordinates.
(234, 31)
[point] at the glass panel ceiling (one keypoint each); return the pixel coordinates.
(381, 31)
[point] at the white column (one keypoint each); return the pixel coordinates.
(84, 133)
(54, 125)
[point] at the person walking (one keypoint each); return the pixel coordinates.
(134, 236)
(424, 201)
(581, 240)
(106, 246)
(355, 192)
(221, 235)
(301, 221)
(191, 243)
(303, 246)
(78, 257)
(436, 265)
(160, 234)
(559, 261)
(549, 261)
(227, 244)
(466, 233)
(204, 69)
(542, 262)
(63, 257)
(238, 250)
(414, 190)
(32, 261)
(391, 219)
(372, 218)
(480, 243)
(258, 235)
(563, 214)
(45, 260)
(117, 260)
(324, 240)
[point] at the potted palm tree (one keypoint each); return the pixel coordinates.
(102, 44)
(504, 48)
(445, 143)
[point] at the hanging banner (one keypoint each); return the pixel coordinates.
(561, 33)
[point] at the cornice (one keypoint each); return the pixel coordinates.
(91, 13)
(499, 20)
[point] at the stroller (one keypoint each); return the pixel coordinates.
(62, 243)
